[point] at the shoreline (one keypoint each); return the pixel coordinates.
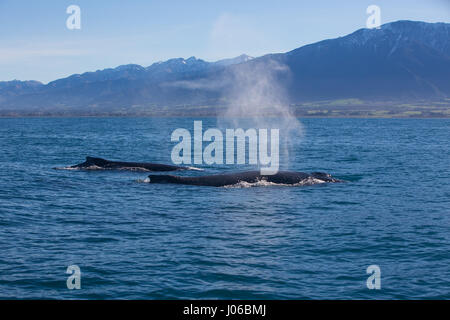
(208, 116)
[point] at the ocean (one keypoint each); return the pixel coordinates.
(135, 240)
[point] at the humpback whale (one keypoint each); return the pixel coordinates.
(229, 179)
(99, 163)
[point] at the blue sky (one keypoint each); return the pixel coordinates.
(35, 43)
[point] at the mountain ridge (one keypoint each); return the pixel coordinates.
(402, 61)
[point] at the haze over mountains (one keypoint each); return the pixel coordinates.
(403, 62)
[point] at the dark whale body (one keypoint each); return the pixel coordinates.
(99, 163)
(220, 180)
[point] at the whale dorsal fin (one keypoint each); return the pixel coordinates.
(96, 161)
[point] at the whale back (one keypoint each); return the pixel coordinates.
(220, 180)
(92, 161)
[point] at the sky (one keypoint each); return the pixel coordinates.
(35, 43)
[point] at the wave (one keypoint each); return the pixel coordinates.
(93, 167)
(195, 169)
(264, 183)
(137, 169)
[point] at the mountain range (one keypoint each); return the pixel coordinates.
(401, 63)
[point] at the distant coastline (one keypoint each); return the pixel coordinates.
(347, 108)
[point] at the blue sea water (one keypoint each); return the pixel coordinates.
(135, 240)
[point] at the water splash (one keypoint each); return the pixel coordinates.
(256, 98)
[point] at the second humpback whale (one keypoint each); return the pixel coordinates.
(92, 163)
(229, 179)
